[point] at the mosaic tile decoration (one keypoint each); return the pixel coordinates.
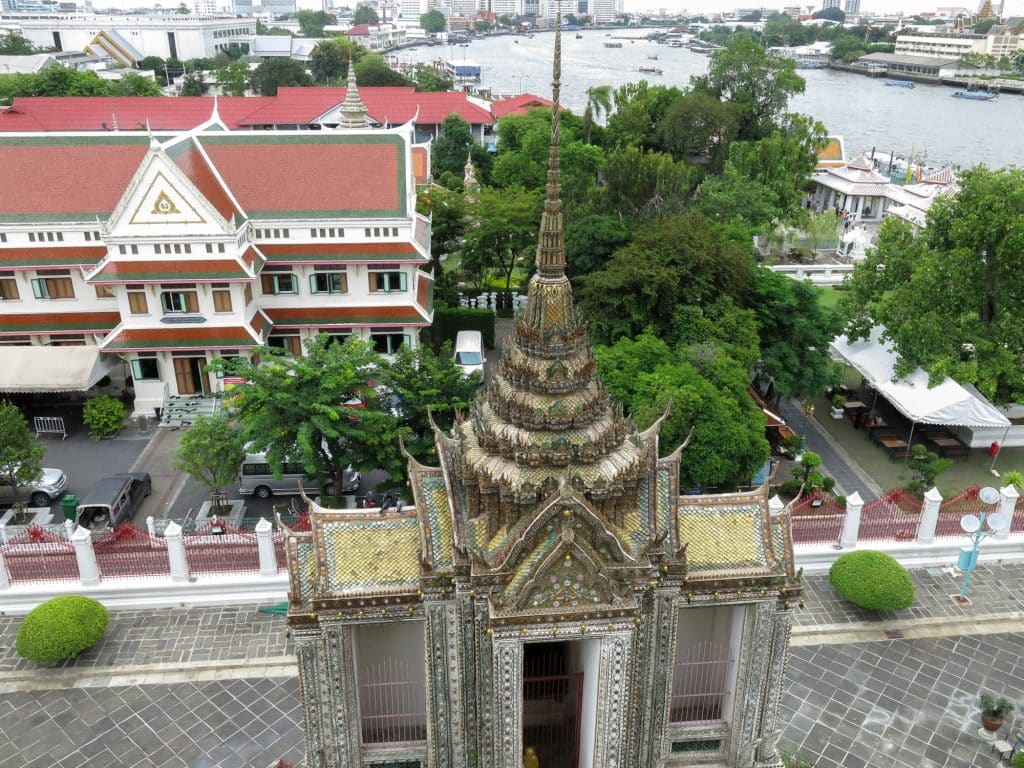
(371, 554)
(723, 536)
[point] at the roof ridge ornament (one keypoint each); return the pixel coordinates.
(353, 111)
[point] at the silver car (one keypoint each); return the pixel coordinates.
(46, 489)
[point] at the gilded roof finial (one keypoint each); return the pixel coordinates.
(353, 111)
(551, 241)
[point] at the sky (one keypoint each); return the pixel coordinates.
(876, 6)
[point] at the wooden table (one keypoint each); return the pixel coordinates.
(893, 445)
(853, 405)
(948, 446)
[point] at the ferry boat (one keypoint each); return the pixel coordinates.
(613, 45)
(579, 36)
(900, 83)
(651, 70)
(652, 56)
(975, 95)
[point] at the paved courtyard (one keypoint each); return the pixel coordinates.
(215, 687)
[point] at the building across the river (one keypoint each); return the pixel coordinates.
(549, 598)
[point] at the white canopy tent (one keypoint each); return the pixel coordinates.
(53, 369)
(947, 403)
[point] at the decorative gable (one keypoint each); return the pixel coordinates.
(162, 201)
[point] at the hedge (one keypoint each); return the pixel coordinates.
(872, 580)
(61, 628)
(448, 321)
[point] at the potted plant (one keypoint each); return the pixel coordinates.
(838, 401)
(993, 711)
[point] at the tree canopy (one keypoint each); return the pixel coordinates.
(61, 81)
(21, 455)
(328, 63)
(503, 231)
(450, 150)
(950, 297)
(365, 14)
(433, 22)
(278, 73)
(372, 70)
(211, 450)
(13, 44)
(312, 23)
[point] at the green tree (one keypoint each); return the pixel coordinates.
(522, 158)
(590, 240)
(758, 83)
(263, 29)
(951, 297)
(365, 14)
(433, 22)
(599, 104)
(795, 330)
(155, 65)
(131, 84)
(278, 73)
(329, 61)
(783, 29)
(292, 408)
(194, 84)
(639, 109)
(830, 14)
(429, 79)
(448, 221)
(233, 79)
(503, 231)
(423, 382)
(312, 23)
(699, 128)
(847, 48)
(21, 455)
(642, 184)
(372, 70)
(13, 44)
(211, 451)
(451, 149)
(671, 262)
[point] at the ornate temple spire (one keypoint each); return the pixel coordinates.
(551, 240)
(469, 182)
(353, 111)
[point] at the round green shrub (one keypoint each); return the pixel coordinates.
(872, 580)
(103, 415)
(61, 628)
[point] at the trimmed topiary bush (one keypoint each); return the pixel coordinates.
(61, 628)
(872, 580)
(104, 416)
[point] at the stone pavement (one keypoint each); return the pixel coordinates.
(215, 687)
(848, 474)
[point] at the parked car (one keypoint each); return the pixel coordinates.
(45, 490)
(469, 352)
(256, 476)
(113, 500)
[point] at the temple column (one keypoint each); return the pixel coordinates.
(446, 742)
(508, 704)
(613, 700)
(328, 696)
(767, 750)
(653, 659)
(752, 670)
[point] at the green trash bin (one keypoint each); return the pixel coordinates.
(69, 505)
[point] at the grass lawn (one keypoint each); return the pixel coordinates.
(828, 296)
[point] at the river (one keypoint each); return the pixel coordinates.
(863, 110)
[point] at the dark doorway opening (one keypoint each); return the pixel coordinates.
(552, 703)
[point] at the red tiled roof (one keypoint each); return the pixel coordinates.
(194, 165)
(302, 317)
(65, 256)
(81, 175)
(59, 322)
(518, 105)
(180, 337)
(98, 113)
(289, 253)
(181, 270)
(275, 173)
(392, 105)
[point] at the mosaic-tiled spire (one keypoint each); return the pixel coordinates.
(551, 240)
(353, 111)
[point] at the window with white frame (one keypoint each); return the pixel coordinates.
(8, 286)
(53, 284)
(176, 300)
(146, 367)
(277, 280)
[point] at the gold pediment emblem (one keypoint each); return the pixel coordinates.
(164, 205)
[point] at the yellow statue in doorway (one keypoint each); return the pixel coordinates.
(530, 758)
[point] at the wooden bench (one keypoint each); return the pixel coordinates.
(50, 425)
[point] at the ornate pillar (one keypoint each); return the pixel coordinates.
(507, 700)
(313, 687)
(655, 652)
(613, 701)
(750, 684)
(446, 743)
(767, 749)
(344, 734)
(484, 666)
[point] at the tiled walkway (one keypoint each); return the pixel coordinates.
(150, 695)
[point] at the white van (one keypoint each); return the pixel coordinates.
(469, 352)
(256, 476)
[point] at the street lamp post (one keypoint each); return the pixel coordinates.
(974, 526)
(521, 78)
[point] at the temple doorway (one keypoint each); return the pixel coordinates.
(558, 718)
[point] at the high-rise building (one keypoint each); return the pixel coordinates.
(549, 598)
(851, 7)
(826, 4)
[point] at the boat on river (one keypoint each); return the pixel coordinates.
(579, 36)
(652, 56)
(900, 83)
(975, 95)
(613, 45)
(651, 70)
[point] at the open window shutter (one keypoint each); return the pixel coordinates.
(268, 284)
(191, 302)
(37, 288)
(312, 283)
(402, 281)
